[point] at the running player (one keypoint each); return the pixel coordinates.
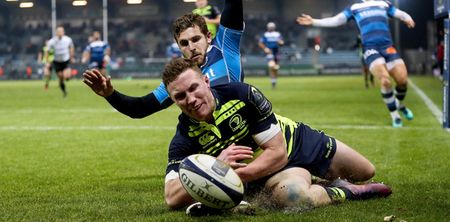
(270, 43)
(47, 63)
(219, 58)
(210, 13)
(97, 53)
(380, 55)
(64, 53)
(235, 123)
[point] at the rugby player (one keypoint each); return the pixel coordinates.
(97, 53)
(235, 123)
(380, 55)
(219, 58)
(270, 43)
(64, 51)
(210, 13)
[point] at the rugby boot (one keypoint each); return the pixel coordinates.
(363, 191)
(407, 113)
(397, 123)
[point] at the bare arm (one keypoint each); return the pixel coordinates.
(334, 21)
(404, 17)
(175, 195)
(273, 158)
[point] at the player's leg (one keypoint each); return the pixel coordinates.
(62, 85)
(273, 72)
(47, 74)
(379, 70)
(348, 164)
(293, 188)
(399, 73)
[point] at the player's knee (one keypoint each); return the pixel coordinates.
(287, 194)
(369, 172)
(385, 82)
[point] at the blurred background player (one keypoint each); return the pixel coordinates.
(270, 43)
(47, 63)
(380, 55)
(210, 13)
(64, 53)
(365, 70)
(173, 51)
(97, 53)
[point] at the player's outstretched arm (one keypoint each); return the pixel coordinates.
(305, 19)
(100, 84)
(405, 17)
(334, 21)
(233, 15)
(134, 107)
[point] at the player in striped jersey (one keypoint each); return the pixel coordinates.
(380, 55)
(270, 43)
(97, 53)
(235, 123)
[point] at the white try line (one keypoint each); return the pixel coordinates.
(430, 105)
(171, 128)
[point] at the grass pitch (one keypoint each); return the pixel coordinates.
(76, 159)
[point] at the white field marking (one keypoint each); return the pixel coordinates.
(75, 110)
(131, 127)
(430, 104)
(74, 128)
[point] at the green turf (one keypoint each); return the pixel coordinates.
(77, 159)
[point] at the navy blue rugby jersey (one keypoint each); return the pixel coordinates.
(222, 63)
(241, 111)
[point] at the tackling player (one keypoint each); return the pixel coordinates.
(64, 54)
(97, 53)
(270, 43)
(235, 123)
(219, 58)
(380, 55)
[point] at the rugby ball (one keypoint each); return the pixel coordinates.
(211, 181)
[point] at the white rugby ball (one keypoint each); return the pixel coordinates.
(211, 181)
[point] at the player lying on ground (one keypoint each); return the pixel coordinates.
(219, 58)
(383, 60)
(235, 123)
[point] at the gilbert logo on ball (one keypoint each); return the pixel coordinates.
(211, 181)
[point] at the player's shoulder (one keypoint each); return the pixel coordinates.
(232, 90)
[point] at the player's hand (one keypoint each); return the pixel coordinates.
(410, 23)
(72, 60)
(235, 153)
(305, 20)
(267, 51)
(100, 84)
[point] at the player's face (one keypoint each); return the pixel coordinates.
(193, 43)
(191, 92)
(60, 31)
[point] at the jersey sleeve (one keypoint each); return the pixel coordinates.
(140, 107)
(261, 109)
(180, 147)
(391, 10)
(229, 40)
(348, 13)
